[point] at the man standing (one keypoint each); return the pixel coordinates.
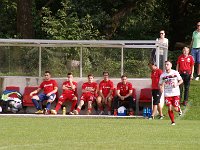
(124, 94)
(155, 76)
(195, 45)
(50, 89)
(185, 66)
(169, 84)
(105, 93)
(89, 94)
(69, 94)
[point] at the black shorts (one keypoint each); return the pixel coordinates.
(156, 96)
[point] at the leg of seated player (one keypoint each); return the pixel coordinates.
(36, 101)
(116, 104)
(99, 103)
(109, 104)
(61, 100)
(50, 100)
(89, 108)
(74, 102)
(131, 105)
(78, 109)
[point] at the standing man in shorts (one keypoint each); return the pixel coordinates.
(195, 45)
(105, 94)
(50, 89)
(156, 94)
(169, 84)
(69, 94)
(89, 94)
(185, 66)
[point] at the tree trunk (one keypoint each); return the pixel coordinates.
(25, 19)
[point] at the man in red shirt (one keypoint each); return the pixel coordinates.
(124, 94)
(69, 94)
(50, 89)
(105, 94)
(185, 66)
(156, 94)
(89, 94)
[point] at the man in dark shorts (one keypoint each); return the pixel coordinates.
(155, 76)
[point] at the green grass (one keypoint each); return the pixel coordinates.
(55, 133)
(73, 133)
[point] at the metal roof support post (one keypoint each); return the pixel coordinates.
(81, 62)
(122, 60)
(158, 56)
(40, 61)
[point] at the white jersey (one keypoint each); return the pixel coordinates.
(170, 81)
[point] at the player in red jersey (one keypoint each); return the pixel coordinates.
(185, 66)
(105, 93)
(69, 94)
(169, 84)
(124, 94)
(50, 89)
(156, 94)
(89, 94)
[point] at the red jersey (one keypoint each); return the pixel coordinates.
(155, 77)
(106, 86)
(185, 63)
(48, 86)
(90, 86)
(124, 88)
(69, 88)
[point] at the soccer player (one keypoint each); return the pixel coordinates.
(69, 94)
(50, 89)
(156, 94)
(89, 94)
(169, 84)
(185, 66)
(105, 94)
(124, 94)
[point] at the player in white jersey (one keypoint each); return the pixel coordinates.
(169, 84)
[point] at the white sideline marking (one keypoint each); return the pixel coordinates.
(66, 116)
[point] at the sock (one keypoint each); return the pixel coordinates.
(78, 109)
(109, 108)
(101, 108)
(58, 105)
(171, 115)
(74, 102)
(48, 106)
(37, 105)
(89, 109)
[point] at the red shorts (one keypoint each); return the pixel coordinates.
(88, 97)
(66, 97)
(174, 101)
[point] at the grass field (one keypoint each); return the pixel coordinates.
(85, 133)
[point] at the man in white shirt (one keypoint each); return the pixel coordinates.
(169, 84)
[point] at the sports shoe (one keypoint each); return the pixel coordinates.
(75, 112)
(161, 117)
(151, 118)
(54, 112)
(180, 112)
(71, 113)
(39, 112)
(173, 124)
(101, 112)
(109, 113)
(197, 78)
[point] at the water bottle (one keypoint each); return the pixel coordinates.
(144, 112)
(149, 112)
(64, 111)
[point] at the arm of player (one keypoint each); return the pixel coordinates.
(118, 94)
(53, 92)
(129, 93)
(35, 92)
(192, 72)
